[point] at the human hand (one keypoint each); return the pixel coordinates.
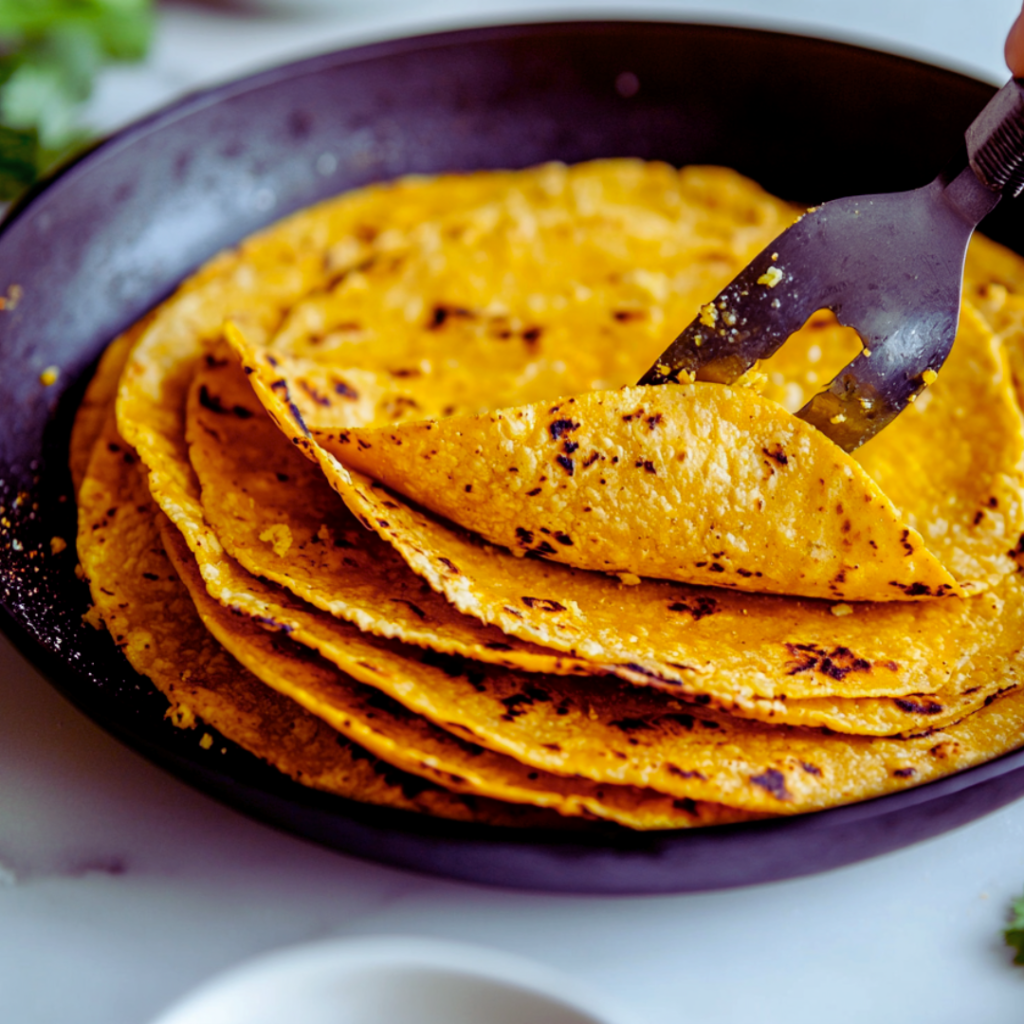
(1014, 49)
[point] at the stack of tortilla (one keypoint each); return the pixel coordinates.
(374, 496)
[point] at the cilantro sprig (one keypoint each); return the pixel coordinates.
(50, 53)
(1014, 933)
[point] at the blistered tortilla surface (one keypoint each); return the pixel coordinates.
(358, 307)
(699, 483)
(139, 598)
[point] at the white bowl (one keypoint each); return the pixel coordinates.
(392, 981)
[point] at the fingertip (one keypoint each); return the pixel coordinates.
(1014, 48)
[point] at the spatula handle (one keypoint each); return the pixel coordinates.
(995, 141)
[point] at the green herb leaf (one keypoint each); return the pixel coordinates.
(19, 161)
(50, 54)
(122, 27)
(1014, 934)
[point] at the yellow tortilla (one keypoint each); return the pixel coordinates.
(274, 512)
(699, 483)
(871, 668)
(582, 736)
(732, 675)
(389, 731)
(1004, 308)
(613, 733)
(512, 269)
(247, 592)
(250, 477)
(562, 250)
(140, 600)
(732, 646)
(953, 462)
(95, 407)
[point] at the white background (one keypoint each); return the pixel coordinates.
(121, 888)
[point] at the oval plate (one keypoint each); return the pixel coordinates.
(111, 235)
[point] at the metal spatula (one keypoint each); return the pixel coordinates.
(889, 266)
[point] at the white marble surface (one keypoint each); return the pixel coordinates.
(121, 888)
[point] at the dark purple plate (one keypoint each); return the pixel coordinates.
(114, 233)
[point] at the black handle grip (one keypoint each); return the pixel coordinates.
(995, 141)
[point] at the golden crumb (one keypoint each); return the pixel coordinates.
(629, 579)
(12, 298)
(49, 376)
(929, 376)
(57, 545)
(181, 715)
(754, 378)
(771, 277)
(708, 315)
(279, 537)
(840, 417)
(842, 609)
(206, 741)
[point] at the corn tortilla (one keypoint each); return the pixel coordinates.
(619, 735)
(562, 231)
(951, 462)
(375, 292)
(519, 266)
(274, 512)
(140, 600)
(699, 483)
(760, 673)
(96, 405)
(400, 738)
(242, 461)
(732, 646)
(240, 593)
(485, 704)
